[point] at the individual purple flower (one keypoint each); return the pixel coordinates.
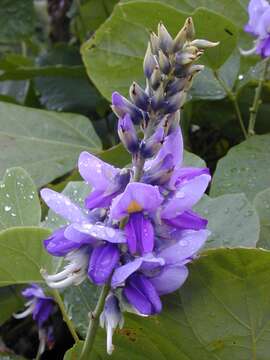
(162, 272)
(258, 26)
(80, 243)
(111, 318)
(106, 180)
(40, 307)
(137, 202)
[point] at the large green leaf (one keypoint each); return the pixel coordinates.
(222, 312)
(235, 10)
(19, 200)
(232, 220)
(10, 301)
(23, 255)
(16, 20)
(45, 143)
(114, 56)
(57, 92)
(262, 205)
(246, 168)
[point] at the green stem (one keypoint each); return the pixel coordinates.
(231, 95)
(257, 101)
(93, 323)
(70, 325)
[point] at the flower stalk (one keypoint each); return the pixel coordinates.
(93, 324)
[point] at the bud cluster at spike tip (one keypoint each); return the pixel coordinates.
(40, 307)
(259, 26)
(137, 230)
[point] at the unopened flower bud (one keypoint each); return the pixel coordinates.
(190, 29)
(149, 62)
(154, 41)
(160, 173)
(195, 69)
(157, 100)
(164, 62)
(121, 106)
(165, 39)
(138, 96)
(203, 44)
(184, 58)
(156, 78)
(175, 86)
(173, 103)
(127, 134)
(170, 121)
(110, 318)
(180, 39)
(152, 145)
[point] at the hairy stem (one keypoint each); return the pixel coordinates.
(257, 100)
(70, 325)
(93, 323)
(231, 95)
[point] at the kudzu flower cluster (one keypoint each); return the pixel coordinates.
(138, 232)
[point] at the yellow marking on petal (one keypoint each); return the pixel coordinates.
(134, 207)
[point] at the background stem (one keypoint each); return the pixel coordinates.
(231, 95)
(257, 100)
(70, 325)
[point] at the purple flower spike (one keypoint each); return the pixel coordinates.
(140, 293)
(103, 260)
(127, 134)
(140, 234)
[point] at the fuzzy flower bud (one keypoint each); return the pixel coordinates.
(138, 96)
(151, 146)
(121, 106)
(165, 39)
(149, 62)
(127, 134)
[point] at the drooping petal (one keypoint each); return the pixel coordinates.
(169, 279)
(145, 263)
(33, 291)
(123, 272)
(100, 232)
(59, 245)
(140, 234)
(95, 171)
(186, 196)
(263, 48)
(188, 220)
(189, 242)
(63, 206)
(103, 260)
(140, 293)
(184, 174)
(136, 197)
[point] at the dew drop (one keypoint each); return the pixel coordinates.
(183, 243)
(7, 208)
(110, 232)
(180, 195)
